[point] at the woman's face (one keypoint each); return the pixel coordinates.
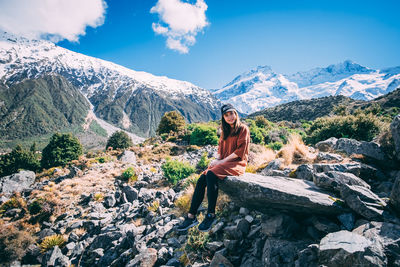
(230, 118)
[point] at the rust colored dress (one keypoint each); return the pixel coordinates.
(239, 145)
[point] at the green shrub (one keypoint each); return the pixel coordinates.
(360, 127)
(17, 159)
(176, 170)
(35, 207)
(275, 145)
(61, 149)
(204, 135)
(172, 121)
(256, 135)
(129, 175)
(262, 122)
(203, 162)
(119, 140)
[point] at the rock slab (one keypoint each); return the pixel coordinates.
(264, 193)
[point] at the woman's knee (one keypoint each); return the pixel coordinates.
(211, 177)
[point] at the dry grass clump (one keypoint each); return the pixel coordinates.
(14, 241)
(154, 206)
(182, 204)
(259, 157)
(295, 151)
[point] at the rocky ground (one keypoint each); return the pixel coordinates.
(338, 208)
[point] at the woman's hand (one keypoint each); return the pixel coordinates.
(215, 162)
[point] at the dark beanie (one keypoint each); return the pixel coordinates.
(227, 107)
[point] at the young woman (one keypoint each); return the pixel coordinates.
(233, 150)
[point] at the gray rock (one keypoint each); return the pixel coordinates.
(362, 201)
(305, 172)
(249, 218)
(276, 164)
(104, 240)
(128, 157)
(243, 226)
(162, 255)
(145, 195)
(173, 242)
(45, 232)
(231, 245)
(368, 149)
(345, 248)
(395, 195)
(214, 246)
(332, 180)
(109, 201)
(264, 193)
(328, 157)
(324, 225)
(130, 192)
(280, 225)
(326, 145)
(386, 234)
(308, 257)
(219, 260)
(146, 258)
(348, 220)
(216, 228)
(54, 257)
(395, 129)
(173, 262)
(277, 252)
(16, 182)
(243, 211)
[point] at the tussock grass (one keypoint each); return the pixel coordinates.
(295, 151)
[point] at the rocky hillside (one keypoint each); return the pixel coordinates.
(319, 107)
(335, 204)
(127, 99)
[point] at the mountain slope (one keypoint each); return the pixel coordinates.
(261, 87)
(108, 86)
(39, 106)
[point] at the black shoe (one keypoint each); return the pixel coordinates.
(206, 224)
(187, 223)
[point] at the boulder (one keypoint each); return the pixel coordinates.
(128, 157)
(146, 258)
(386, 234)
(332, 180)
(280, 225)
(266, 193)
(369, 149)
(55, 257)
(278, 252)
(326, 145)
(220, 260)
(276, 164)
(395, 195)
(363, 201)
(395, 129)
(308, 257)
(16, 182)
(345, 248)
(322, 156)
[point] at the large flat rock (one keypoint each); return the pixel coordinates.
(266, 193)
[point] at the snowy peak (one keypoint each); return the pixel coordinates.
(332, 73)
(260, 88)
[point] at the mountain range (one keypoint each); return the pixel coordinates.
(261, 87)
(35, 75)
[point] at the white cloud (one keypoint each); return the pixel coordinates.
(51, 19)
(180, 22)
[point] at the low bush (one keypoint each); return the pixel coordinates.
(129, 175)
(176, 170)
(203, 162)
(275, 145)
(119, 140)
(17, 159)
(204, 135)
(360, 127)
(171, 122)
(61, 149)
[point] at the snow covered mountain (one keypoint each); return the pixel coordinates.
(131, 100)
(261, 87)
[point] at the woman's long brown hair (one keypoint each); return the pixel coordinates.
(226, 128)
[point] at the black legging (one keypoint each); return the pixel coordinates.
(210, 180)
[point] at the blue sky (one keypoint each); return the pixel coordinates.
(289, 36)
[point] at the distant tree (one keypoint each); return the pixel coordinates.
(172, 121)
(61, 149)
(119, 140)
(18, 159)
